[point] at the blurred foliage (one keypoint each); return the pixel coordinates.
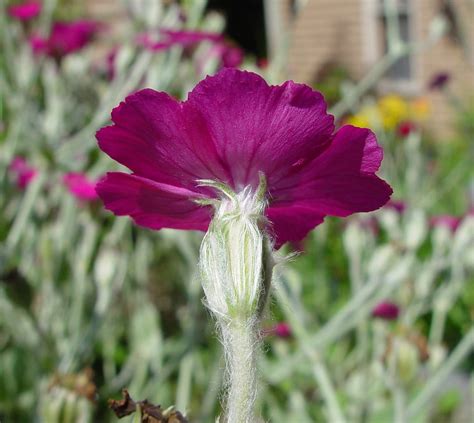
(329, 81)
(465, 121)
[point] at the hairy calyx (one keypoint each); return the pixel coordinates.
(232, 251)
(236, 264)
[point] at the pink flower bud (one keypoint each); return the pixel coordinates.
(25, 11)
(22, 172)
(386, 310)
(80, 186)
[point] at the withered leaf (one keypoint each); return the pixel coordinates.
(123, 407)
(150, 413)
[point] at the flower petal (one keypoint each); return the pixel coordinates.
(256, 127)
(151, 204)
(154, 139)
(292, 223)
(341, 180)
(25, 11)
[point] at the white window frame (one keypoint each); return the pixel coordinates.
(373, 12)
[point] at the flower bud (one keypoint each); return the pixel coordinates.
(386, 310)
(232, 252)
(415, 230)
(403, 360)
(382, 259)
(437, 356)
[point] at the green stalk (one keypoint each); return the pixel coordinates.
(462, 350)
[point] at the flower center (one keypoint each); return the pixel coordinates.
(245, 203)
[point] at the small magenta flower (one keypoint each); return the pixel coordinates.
(229, 54)
(184, 38)
(405, 128)
(22, 172)
(232, 129)
(25, 11)
(446, 221)
(282, 330)
(386, 310)
(190, 37)
(398, 205)
(80, 186)
(110, 63)
(262, 63)
(439, 81)
(65, 38)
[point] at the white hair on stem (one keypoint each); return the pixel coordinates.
(235, 266)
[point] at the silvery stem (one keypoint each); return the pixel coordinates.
(241, 347)
(236, 264)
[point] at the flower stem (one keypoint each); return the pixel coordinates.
(399, 402)
(328, 391)
(241, 349)
(432, 386)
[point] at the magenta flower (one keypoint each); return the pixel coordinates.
(65, 38)
(262, 63)
(439, 81)
(232, 127)
(282, 330)
(184, 38)
(398, 205)
(446, 221)
(229, 54)
(405, 128)
(25, 11)
(110, 63)
(189, 37)
(22, 172)
(386, 310)
(80, 186)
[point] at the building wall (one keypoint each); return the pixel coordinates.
(323, 32)
(347, 32)
(448, 55)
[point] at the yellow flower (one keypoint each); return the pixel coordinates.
(358, 120)
(367, 117)
(393, 110)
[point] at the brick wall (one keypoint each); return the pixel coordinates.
(325, 31)
(340, 31)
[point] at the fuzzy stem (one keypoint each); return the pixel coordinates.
(241, 349)
(236, 264)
